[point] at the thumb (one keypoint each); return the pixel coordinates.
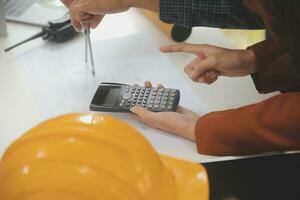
(144, 114)
(139, 111)
(200, 67)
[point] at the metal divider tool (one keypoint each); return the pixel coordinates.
(89, 49)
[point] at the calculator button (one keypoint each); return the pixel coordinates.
(160, 93)
(121, 104)
(170, 107)
(156, 106)
(161, 89)
(155, 89)
(173, 95)
(151, 101)
(152, 98)
(165, 98)
(171, 99)
(164, 102)
(126, 96)
(163, 106)
(150, 106)
(128, 104)
(154, 93)
(167, 90)
(157, 101)
(158, 98)
(170, 102)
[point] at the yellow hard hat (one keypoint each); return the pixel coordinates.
(94, 157)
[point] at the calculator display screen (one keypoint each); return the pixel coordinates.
(112, 96)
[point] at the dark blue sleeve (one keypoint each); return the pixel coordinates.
(230, 14)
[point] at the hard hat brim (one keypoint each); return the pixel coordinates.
(191, 178)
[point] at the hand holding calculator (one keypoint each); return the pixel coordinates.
(115, 97)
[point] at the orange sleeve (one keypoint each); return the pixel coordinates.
(272, 125)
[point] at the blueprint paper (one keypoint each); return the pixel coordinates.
(63, 84)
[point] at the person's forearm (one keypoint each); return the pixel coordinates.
(152, 5)
(272, 125)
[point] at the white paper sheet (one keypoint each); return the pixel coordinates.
(62, 84)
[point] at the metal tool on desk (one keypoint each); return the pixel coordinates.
(89, 49)
(58, 31)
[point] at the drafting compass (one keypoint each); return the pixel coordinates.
(89, 49)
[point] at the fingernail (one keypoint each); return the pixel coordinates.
(133, 109)
(77, 29)
(162, 48)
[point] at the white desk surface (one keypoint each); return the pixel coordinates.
(19, 111)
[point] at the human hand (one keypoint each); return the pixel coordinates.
(212, 61)
(182, 122)
(91, 12)
(92, 20)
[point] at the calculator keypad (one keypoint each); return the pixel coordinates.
(154, 99)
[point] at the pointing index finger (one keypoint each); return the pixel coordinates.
(185, 47)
